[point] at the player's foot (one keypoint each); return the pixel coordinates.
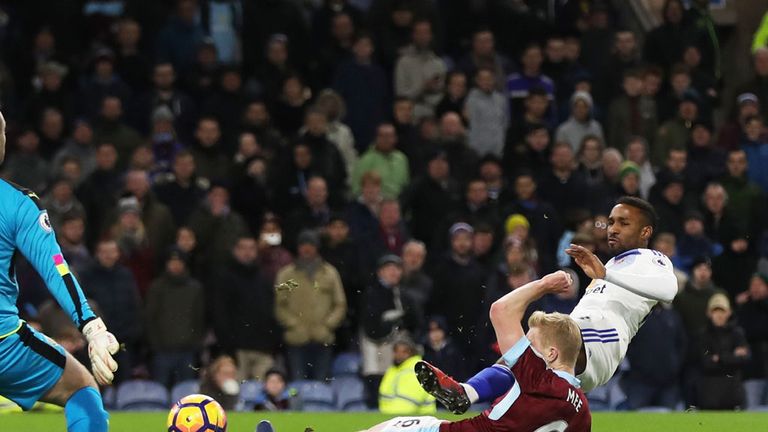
(264, 426)
(445, 389)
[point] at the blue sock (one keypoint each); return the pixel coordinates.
(85, 412)
(492, 382)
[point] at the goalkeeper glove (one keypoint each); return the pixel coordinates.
(101, 346)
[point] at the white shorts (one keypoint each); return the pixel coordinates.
(413, 424)
(605, 344)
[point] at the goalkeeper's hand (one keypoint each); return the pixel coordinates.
(101, 346)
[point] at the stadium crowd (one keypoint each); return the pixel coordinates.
(283, 181)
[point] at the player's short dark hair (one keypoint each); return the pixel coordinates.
(646, 209)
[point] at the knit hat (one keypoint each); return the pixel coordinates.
(718, 301)
(514, 221)
(747, 98)
(389, 259)
(459, 227)
(583, 96)
(628, 167)
(308, 237)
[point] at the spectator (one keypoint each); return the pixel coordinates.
(389, 238)
(327, 160)
(51, 130)
(310, 306)
(732, 268)
(208, 152)
(666, 243)
(272, 256)
(102, 83)
(440, 351)
(175, 311)
(400, 391)
(745, 196)
(109, 128)
(664, 44)
(520, 84)
(455, 94)
(460, 282)
(98, 192)
(80, 146)
(51, 94)
(333, 106)
(343, 253)
(291, 182)
(71, 238)
(430, 197)
(700, 26)
(590, 159)
(536, 105)
(257, 120)
(384, 159)
(580, 124)
(756, 149)
(384, 319)
(332, 49)
(181, 190)
(27, 167)
(483, 54)
(752, 314)
(113, 288)
(563, 185)
(363, 85)
(637, 152)
(491, 171)
(724, 353)
(632, 113)
(733, 129)
(676, 132)
(131, 64)
(758, 85)
(156, 217)
(165, 93)
(217, 229)
(694, 242)
(226, 103)
(135, 251)
(420, 74)
(416, 284)
(705, 162)
(275, 396)
(656, 355)
(277, 66)
(313, 213)
(531, 154)
(219, 380)
(477, 207)
(244, 319)
(669, 204)
(407, 132)
(702, 80)
(177, 42)
(680, 82)
(624, 56)
(290, 107)
(362, 214)
(251, 195)
(487, 111)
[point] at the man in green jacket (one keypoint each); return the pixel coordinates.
(383, 158)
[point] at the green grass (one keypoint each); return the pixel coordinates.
(339, 422)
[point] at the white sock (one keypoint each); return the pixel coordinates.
(471, 393)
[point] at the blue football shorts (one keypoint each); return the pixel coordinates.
(30, 365)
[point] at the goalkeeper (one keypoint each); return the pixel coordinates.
(32, 366)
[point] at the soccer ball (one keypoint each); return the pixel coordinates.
(197, 413)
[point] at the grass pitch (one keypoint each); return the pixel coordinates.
(347, 422)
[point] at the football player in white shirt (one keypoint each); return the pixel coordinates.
(614, 306)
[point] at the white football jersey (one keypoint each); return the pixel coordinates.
(618, 296)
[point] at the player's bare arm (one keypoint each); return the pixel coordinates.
(507, 312)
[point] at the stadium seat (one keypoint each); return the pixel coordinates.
(314, 396)
(346, 364)
(608, 397)
(755, 391)
(654, 409)
(250, 392)
(350, 393)
(184, 388)
(142, 395)
(108, 397)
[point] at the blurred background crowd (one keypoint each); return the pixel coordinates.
(272, 183)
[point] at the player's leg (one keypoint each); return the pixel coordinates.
(409, 424)
(76, 391)
(486, 386)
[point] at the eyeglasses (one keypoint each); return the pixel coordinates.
(601, 225)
